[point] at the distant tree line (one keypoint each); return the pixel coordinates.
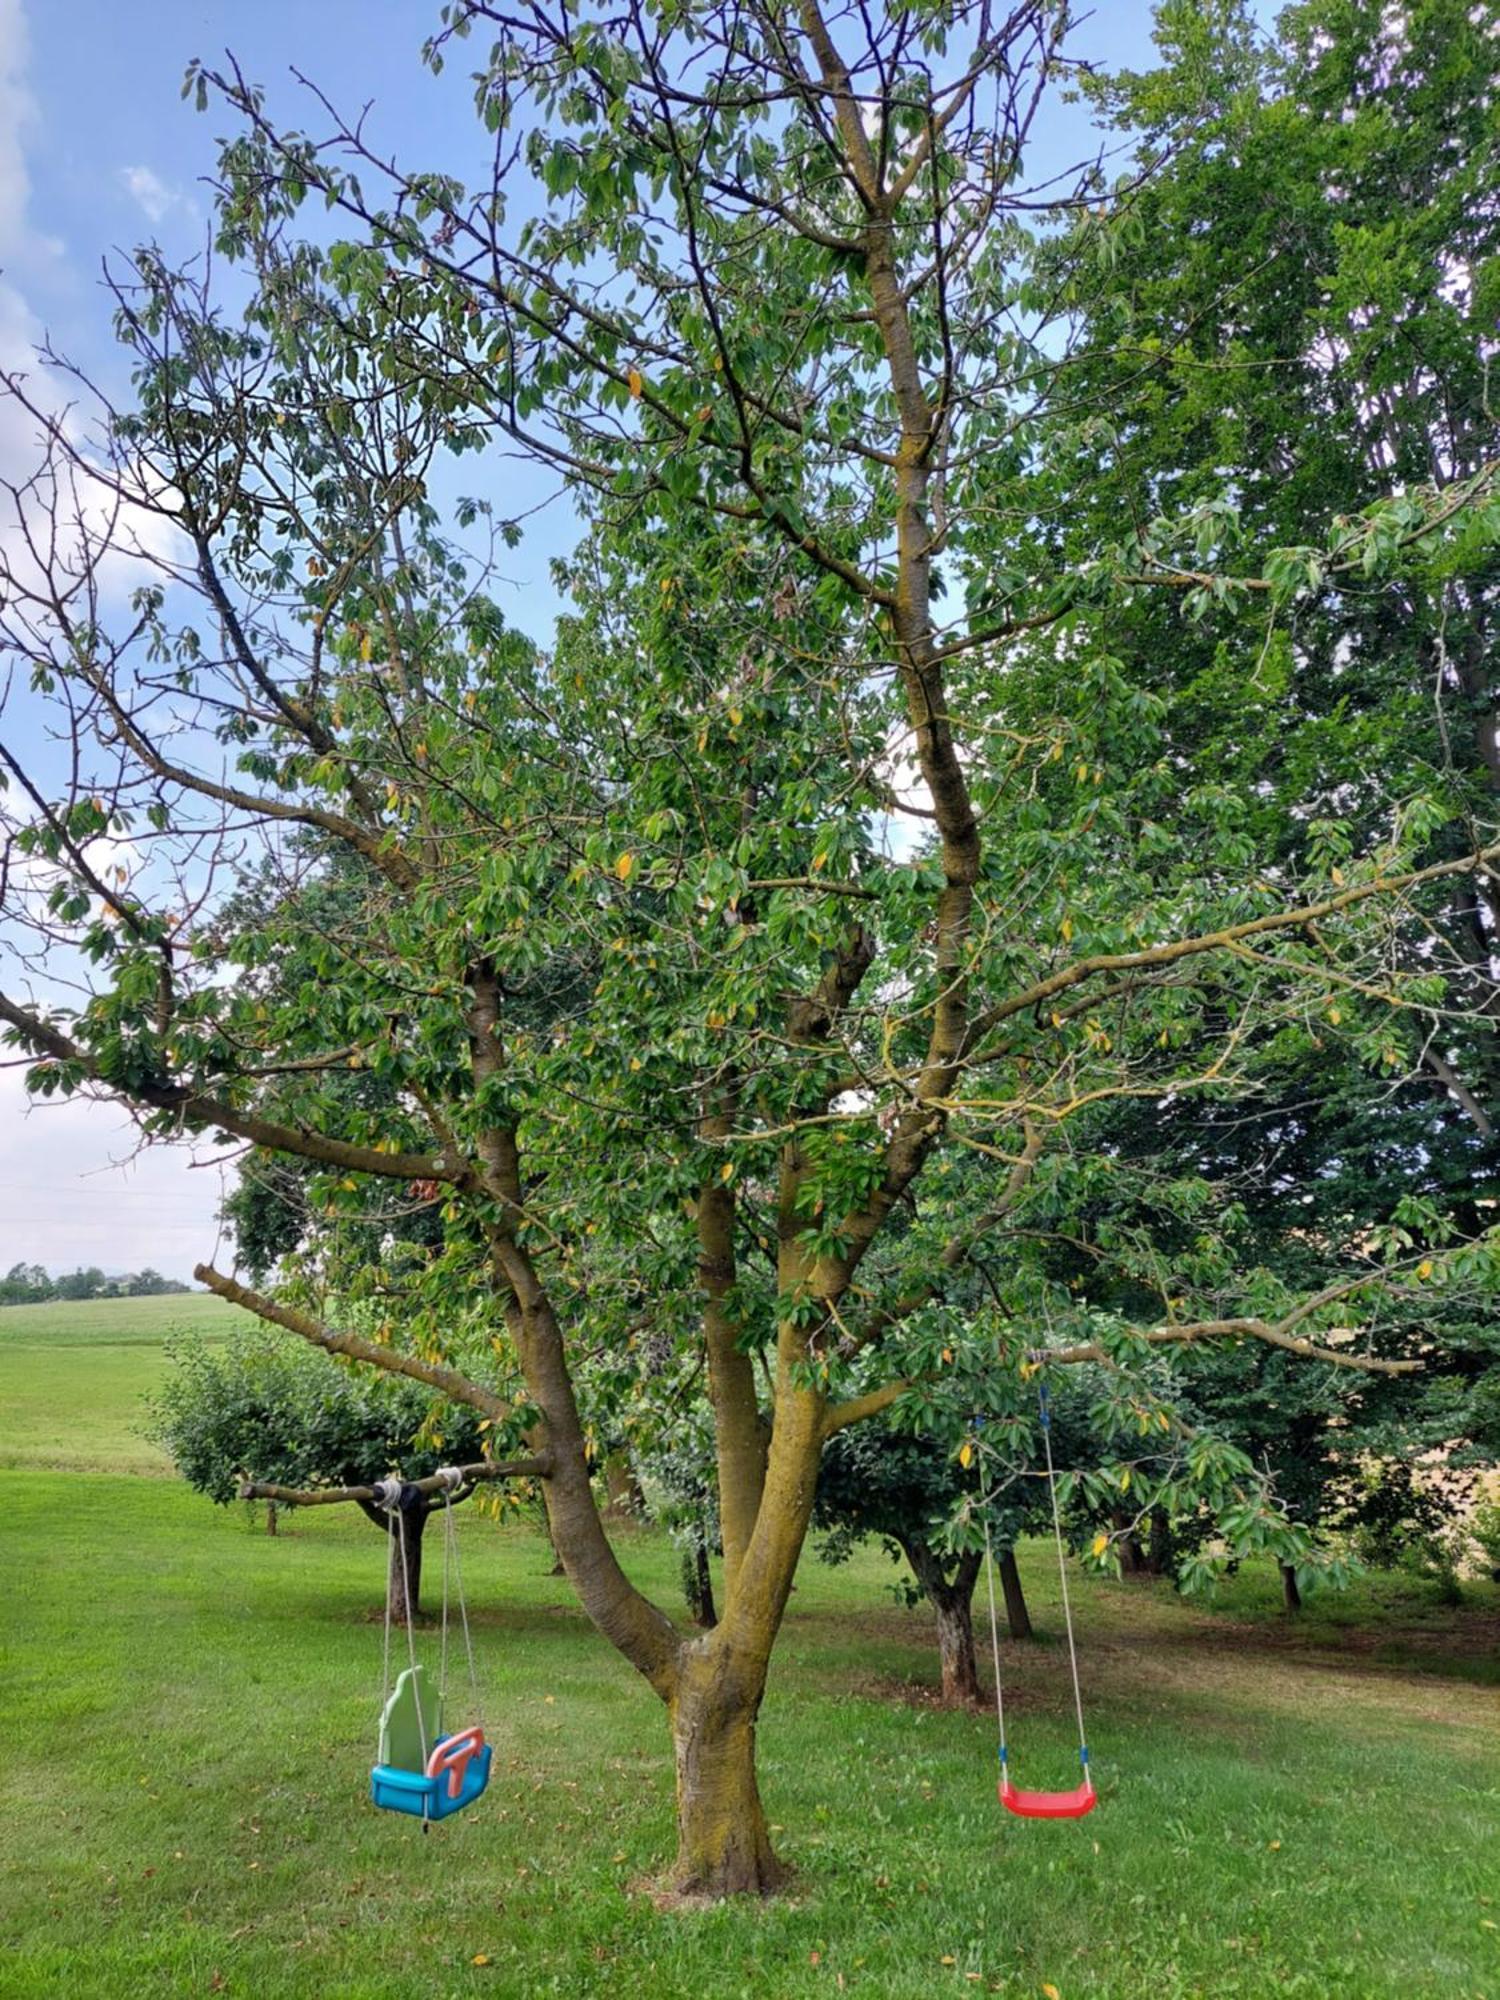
(31, 1285)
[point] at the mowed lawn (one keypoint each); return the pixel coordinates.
(187, 1710)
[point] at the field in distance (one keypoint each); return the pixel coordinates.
(74, 1375)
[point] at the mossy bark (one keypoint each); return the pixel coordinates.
(723, 1839)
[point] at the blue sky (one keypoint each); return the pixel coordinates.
(97, 152)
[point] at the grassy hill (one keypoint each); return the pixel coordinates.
(73, 1377)
(189, 1714)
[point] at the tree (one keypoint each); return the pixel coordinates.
(815, 410)
(904, 1488)
(251, 1410)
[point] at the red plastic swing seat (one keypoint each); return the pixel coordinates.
(1048, 1805)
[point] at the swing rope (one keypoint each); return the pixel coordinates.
(1062, 1572)
(1045, 1415)
(388, 1493)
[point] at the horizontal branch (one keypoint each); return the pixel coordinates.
(331, 1496)
(841, 1415)
(1233, 1329)
(446, 1381)
(1294, 917)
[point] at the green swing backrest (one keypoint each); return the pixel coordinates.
(404, 1742)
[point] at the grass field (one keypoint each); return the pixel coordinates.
(72, 1377)
(187, 1709)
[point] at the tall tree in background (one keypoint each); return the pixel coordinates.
(876, 865)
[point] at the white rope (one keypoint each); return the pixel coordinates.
(388, 1491)
(387, 1494)
(450, 1542)
(989, 1577)
(1062, 1571)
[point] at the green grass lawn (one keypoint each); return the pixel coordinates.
(188, 1714)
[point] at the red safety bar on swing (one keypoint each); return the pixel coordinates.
(1048, 1805)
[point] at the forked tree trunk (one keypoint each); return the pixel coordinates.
(952, 1598)
(1017, 1617)
(723, 1840)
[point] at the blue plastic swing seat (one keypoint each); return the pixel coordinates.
(430, 1798)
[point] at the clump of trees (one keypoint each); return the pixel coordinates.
(31, 1284)
(753, 975)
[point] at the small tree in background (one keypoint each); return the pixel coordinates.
(904, 1489)
(252, 1408)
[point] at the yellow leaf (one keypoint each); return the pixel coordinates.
(480, 1958)
(1335, 1016)
(1125, 1479)
(947, 1354)
(625, 867)
(635, 382)
(1273, 1845)
(366, 648)
(947, 1959)
(1099, 1544)
(736, 716)
(635, 1062)
(1424, 1269)
(726, 1172)
(966, 1453)
(1051, 1992)
(1067, 929)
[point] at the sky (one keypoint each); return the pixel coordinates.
(98, 152)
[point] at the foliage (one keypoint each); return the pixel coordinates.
(253, 1408)
(734, 976)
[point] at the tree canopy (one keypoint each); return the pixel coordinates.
(752, 972)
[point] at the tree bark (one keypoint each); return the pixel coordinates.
(1291, 1594)
(952, 1598)
(1132, 1555)
(626, 1501)
(412, 1521)
(723, 1841)
(1017, 1617)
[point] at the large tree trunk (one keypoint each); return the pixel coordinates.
(1017, 1617)
(723, 1841)
(404, 1582)
(626, 1501)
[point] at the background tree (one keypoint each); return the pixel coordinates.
(904, 1489)
(254, 1409)
(872, 856)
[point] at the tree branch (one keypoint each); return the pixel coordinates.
(329, 1496)
(446, 1381)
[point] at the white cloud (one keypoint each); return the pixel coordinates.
(75, 1189)
(147, 189)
